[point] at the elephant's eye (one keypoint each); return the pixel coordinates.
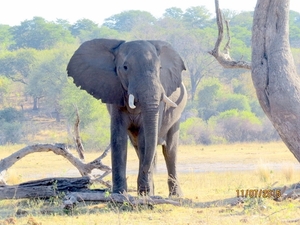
(125, 67)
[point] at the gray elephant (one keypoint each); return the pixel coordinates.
(142, 85)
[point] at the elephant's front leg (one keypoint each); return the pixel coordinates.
(145, 182)
(118, 151)
(170, 154)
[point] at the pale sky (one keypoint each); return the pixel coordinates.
(12, 12)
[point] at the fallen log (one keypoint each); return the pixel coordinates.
(73, 198)
(76, 190)
(44, 188)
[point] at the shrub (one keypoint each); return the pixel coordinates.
(236, 126)
(10, 132)
(234, 101)
(195, 131)
(10, 125)
(11, 115)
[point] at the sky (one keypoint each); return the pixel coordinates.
(13, 12)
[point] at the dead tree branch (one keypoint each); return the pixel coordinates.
(85, 169)
(77, 139)
(224, 58)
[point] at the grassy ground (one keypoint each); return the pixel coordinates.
(200, 189)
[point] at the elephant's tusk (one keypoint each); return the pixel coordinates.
(169, 102)
(131, 101)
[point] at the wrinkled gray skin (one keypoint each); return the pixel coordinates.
(111, 70)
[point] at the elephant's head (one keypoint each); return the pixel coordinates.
(138, 71)
(138, 75)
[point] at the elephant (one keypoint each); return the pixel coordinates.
(141, 83)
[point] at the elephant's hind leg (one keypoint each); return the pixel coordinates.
(170, 154)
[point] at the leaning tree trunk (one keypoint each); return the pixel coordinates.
(273, 71)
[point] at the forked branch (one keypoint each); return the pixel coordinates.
(224, 57)
(77, 139)
(84, 169)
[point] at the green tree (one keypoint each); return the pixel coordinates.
(86, 30)
(174, 13)
(236, 126)
(6, 37)
(93, 114)
(40, 34)
(208, 97)
(4, 88)
(10, 125)
(195, 131)
(243, 19)
(197, 17)
(294, 29)
(127, 20)
(48, 79)
(18, 65)
(83, 25)
(233, 101)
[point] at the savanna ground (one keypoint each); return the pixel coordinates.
(227, 168)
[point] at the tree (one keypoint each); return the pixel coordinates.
(174, 13)
(10, 125)
(48, 79)
(273, 71)
(6, 37)
(85, 29)
(197, 17)
(40, 34)
(18, 65)
(294, 29)
(125, 21)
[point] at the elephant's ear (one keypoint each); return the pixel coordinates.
(93, 69)
(171, 66)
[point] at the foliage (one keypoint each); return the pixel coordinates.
(234, 101)
(48, 77)
(94, 118)
(294, 29)
(11, 125)
(236, 126)
(125, 21)
(40, 34)
(173, 12)
(195, 131)
(85, 29)
(6, 37)
(222, 104)
(17, 65)
(197, 17)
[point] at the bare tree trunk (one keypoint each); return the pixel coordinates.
(35, 103)
(273, 71)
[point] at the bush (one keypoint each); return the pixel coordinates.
(195, 131)
(11, 115)
(11, 125)
(234, 101)
(10, 133)
(241, 126)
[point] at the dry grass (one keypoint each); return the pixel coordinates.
(199, 188)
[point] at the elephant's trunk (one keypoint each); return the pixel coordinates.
(149, 96)
(150, 124)
(147, 150)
